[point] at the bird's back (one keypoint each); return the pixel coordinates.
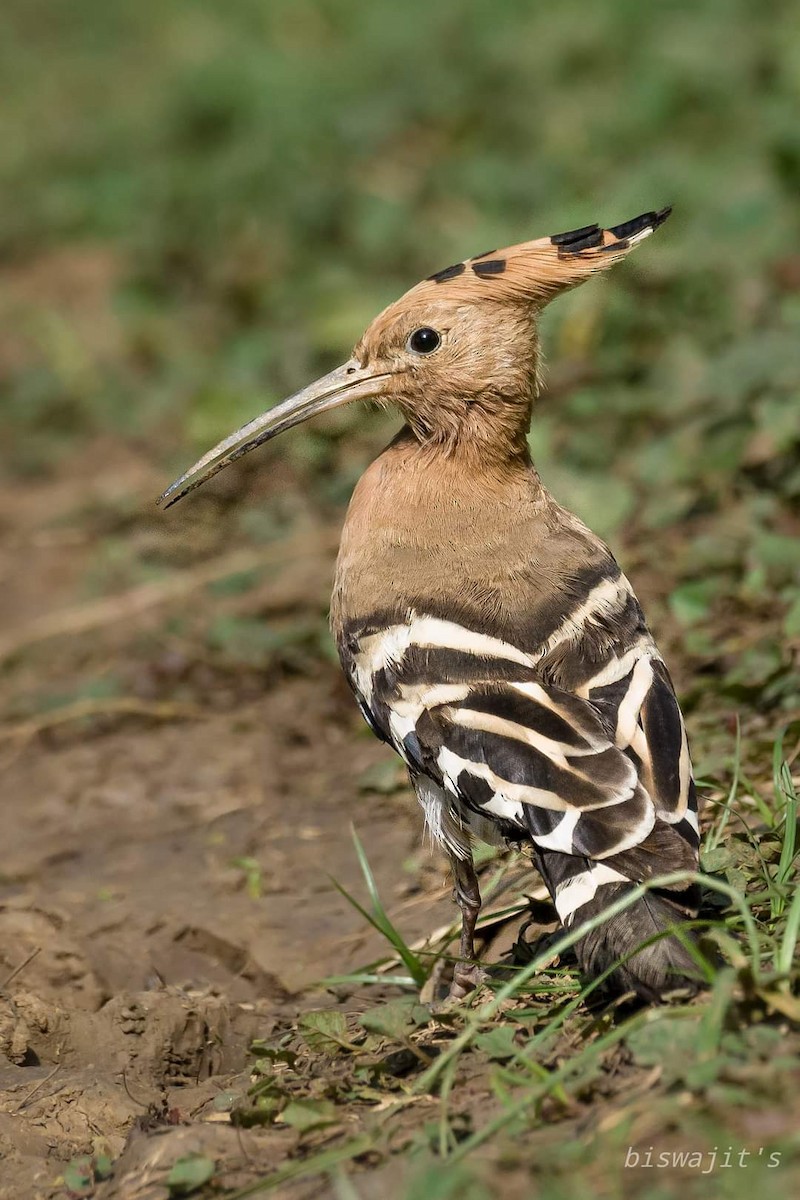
(492, 639)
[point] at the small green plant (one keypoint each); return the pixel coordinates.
(378, 918)
(189, 1174)
(786, 801)
(81, 1175)
(253, 877)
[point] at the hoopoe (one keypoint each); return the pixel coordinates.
(488, 635)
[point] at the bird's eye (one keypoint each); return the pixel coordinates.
(424, 341)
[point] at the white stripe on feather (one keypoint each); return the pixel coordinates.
(472, 718)
(561, 836)
(617, 668)
(506, 802)
(376, 652)
(412, 702)
(434, 633)
(380, 650)
(684, 774)
(400, 725)
(451, 765)
(631, 703)
(579, 890)
(641, 748)
(564, 757)
(634, 836)
(432, 695)
(389, 645)
(595, 740)
(640, 236)
(691, 818)
(604, 599)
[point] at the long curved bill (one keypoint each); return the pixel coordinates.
(349, 382)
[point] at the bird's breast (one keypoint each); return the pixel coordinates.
(419, 534)
(482, 556)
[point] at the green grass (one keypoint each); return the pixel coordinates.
(537, 1051)
(378, 918)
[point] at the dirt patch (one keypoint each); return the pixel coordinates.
(154, 966)
(166, 887)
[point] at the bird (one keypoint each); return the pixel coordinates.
(489, 637)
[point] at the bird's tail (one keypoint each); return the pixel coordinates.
(582, 889)
(650, 971)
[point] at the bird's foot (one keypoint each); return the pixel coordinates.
(467, 977)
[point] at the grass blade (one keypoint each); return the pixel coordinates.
(786, 802)
(379, 918)
(714, 836)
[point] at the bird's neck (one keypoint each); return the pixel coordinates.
(484, 436)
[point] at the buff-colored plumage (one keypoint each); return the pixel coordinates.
(535, 272)
(490, 637)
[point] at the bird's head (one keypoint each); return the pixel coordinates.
(458, 353)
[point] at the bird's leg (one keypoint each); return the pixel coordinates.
(467, 975)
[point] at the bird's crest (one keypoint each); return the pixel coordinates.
(538, 270)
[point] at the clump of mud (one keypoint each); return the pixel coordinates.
(79, 1074)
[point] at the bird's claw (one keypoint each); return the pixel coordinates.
(467, 977)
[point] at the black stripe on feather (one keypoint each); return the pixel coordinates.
(434, 665)
(447, 273)
(604, 776)
(576, 235)
(648, 220)
(688, 833)
(599, 833)
(542, 821)
(588, 578)
(511, 705)
(491, 266)
(475, 793)
(663, 728)
(608, 698)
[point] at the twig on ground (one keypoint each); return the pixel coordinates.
(26, 1099)
(19, 969)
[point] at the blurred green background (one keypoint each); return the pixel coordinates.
(205, 203)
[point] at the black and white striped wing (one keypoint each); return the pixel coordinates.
(535, 760)
(586, 773)
(642, 714)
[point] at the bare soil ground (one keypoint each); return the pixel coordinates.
(166, 872)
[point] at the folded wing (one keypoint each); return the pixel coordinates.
(530, 757)
(596, 773)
